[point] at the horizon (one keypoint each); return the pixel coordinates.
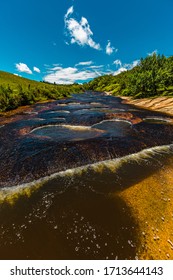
(73, 42)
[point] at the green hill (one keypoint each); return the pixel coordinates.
(152, 77)
(16, 91)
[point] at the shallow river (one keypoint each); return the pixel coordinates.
(64, 166)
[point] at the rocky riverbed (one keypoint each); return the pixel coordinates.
(82, 174)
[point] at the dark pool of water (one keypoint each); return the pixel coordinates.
(67, 133)
(72, 225)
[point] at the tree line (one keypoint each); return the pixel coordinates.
(153, 76)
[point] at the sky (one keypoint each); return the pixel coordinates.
(68, 41)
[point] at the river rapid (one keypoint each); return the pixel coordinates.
(66, 169)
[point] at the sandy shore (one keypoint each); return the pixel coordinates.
(160, 104)
(151, 203)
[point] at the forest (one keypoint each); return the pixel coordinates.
(152, 77)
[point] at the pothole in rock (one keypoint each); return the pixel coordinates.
(116, 128)
(54, 114)
(67, 133)
(98, 105)
(87, 112)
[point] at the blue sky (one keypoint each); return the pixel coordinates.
(66, 41)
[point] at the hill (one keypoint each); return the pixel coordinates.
(16, 91)
(152, 77)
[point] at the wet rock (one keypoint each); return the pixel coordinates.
(37, 145)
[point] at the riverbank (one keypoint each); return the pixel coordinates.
(160, 104)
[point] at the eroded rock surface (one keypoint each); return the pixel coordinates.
(87, 128)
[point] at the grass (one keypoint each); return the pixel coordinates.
(16, 91)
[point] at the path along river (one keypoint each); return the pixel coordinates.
(86, 178)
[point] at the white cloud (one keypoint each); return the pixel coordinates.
(55, 68)
(70, 11)
(96, 66)
(117, 62)
(79, 31)
(109, 49)
(85, 63)
(84, 71)
(154, 52)
(36, 69)
(132, 65)
(135, 63)
(69, 75)
(57, 64)
(120, 70)
(125, 67)
(22, 67)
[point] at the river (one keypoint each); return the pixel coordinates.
(71, 171)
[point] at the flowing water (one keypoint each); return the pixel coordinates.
(64, 165)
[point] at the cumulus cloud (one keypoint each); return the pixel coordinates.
(117, 62)
(79, 31)
(22, 67)
(135, 63)
(109, 49)
(84, 71)
(36, 69)
(132, 65)
(69, 75)
(120, 70)
(124, 67)
(84, 63)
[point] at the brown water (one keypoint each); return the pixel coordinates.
(60, 169)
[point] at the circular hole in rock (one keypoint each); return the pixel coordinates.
(67, 132)
(116, 128)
